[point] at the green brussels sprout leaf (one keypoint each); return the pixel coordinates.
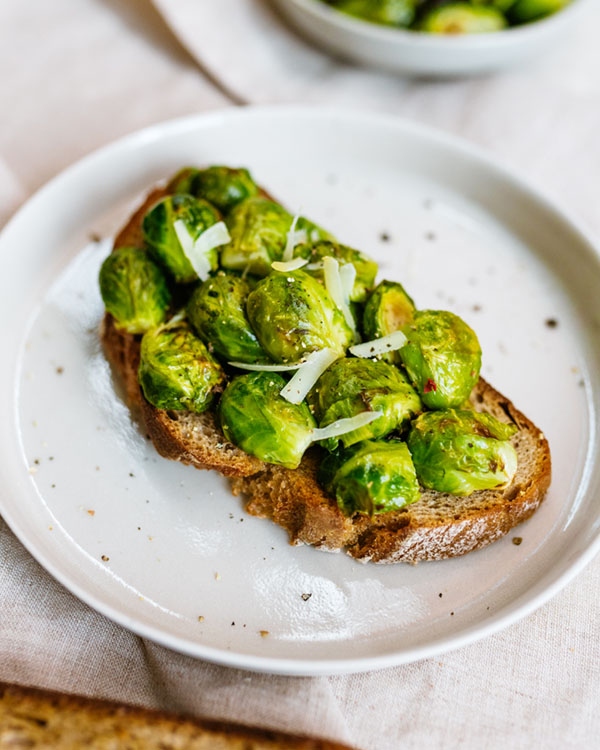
(442, 358)
(176, 370)
(134, 290)
(256, 418)
(372, 477)
(217, 312)
(351, 386)
(160, 228)
(388, 309)
(292, 315)
(459, 451)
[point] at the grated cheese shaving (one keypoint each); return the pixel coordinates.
(335, 288)
(268, 368)
(292, 239)
(308, 374)
(348, 276)
(383, 345)
(289, 265)
(197, 250)
(348, 424)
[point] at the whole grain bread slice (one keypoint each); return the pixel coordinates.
(33, 718)
(438, 526)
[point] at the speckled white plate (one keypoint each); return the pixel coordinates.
(166, 550)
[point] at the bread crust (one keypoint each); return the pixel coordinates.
(34, 718)
(436, 527)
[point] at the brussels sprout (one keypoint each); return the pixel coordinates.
(442, 358)
(350, 386)
(134, 290)
(501, 5)
(462, 451)
(217, 312)
(462, 18)
(261, 422)
(523, 11)
(292, 314)
(388, 309)
(387, 12)
(224, 187)
(259, 229)
(159, 232)
(366, 269)
(375, 476)
(176, 370)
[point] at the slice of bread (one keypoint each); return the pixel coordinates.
(32, 718)
(436, 527)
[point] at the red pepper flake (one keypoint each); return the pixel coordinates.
(429, 386)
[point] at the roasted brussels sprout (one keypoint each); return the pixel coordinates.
(501, 5)
(176, 370)
(388, 309)
(459, 451)
(160, 234)
(350, 386)
(217, 312)
(292, 314)
(261, 422)
(375, 476)
(523, 11)
(387, 12)
(442, 358)
(259, 229)
(366, 269)
(224, 187)
(134, 290)
(462, 18)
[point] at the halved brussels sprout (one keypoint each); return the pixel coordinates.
(261, 422)
(176, 370)
(217, 312)
(442, 358)
(388, 309)
(523, 11)
(373, 477)
(259, 229)
(292, 314)
(462, 18)
(224, 187)
(501, 5)
(366, 269)
(350, 386)
(460, 452)
(387, 12)
(159, 232)
(134, 290)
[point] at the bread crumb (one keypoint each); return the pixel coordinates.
(200, 618)
(91, 512)
(517, 540)
(50, 528)
(263, 633)
(32, 470)
(217, 576)
(60, 370)
(104, 558)
(306, 597)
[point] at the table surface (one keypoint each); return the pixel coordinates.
(74, 75)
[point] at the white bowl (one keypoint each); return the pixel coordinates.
(415, 53)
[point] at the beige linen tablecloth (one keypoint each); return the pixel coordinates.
(74, 74)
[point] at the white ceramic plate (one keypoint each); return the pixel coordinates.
(155, 545)
(409, 52)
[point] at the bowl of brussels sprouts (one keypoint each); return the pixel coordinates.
(439, 38)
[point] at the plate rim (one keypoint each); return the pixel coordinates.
(295, 666)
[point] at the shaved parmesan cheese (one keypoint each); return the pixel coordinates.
(342, 426)
(385, 344)
(197, 250)
(334, 286)
(291, 242)
(268, 368)
(318, 266)
(316, 364)
(348, 276)
(289, 265)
